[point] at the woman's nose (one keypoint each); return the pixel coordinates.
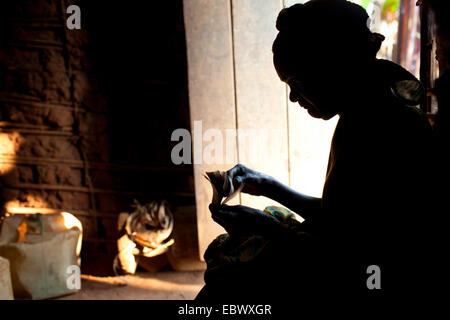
(293, 96)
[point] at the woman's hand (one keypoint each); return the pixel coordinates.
(255, 183)
(243, 220)
(259, 184)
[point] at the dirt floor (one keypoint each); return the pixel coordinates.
(173, 285)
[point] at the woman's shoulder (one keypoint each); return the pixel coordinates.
(401, 100)
(413, 122)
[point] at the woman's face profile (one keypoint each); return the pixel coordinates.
(308, 91)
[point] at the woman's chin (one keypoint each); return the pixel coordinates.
(320, 115)
(314, 113)
(328, 116)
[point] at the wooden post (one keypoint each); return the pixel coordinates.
(211, 94)
(260, 95)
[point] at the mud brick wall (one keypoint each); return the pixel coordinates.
(86, 115)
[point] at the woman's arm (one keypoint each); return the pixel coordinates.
(301, 204)
(259, 184)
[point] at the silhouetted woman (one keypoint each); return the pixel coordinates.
(373, 209)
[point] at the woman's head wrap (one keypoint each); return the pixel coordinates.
(338, 27)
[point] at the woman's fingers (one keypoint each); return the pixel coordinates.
(233, 172)
(243, 220)
(239, 180)
(220, 221)
(236, 171)
(225, 216)
(237, 176)
(240, 176)
(214, 207)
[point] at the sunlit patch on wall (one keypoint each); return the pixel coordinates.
(9, 145)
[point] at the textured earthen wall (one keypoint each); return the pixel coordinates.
(86, 115)
(44, 105)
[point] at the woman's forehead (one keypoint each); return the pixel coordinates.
(284, 69)
(290, 70)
